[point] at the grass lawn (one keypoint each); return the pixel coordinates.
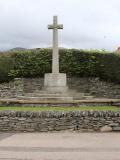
(81, 108)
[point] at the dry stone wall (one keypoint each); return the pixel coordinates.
(95, 87)
(90, 86)
(7, 90)
(12, 89)
(88, 121)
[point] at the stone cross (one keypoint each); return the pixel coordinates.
(55, 56)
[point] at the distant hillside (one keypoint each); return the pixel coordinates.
(18, 49)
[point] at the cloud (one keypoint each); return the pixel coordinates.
(87, 23)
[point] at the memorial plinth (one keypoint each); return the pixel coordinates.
(55, 82)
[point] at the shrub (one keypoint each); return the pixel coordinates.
(32, 63)
(73, 62)
(6, 65)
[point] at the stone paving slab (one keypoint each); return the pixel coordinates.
(93, 100)
(83, 101)
(60, 146)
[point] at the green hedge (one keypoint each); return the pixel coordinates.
(6, 65)
(77, 63)
(32, 63)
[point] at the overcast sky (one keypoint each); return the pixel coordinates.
(88, 24)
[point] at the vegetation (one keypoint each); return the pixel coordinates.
(77, 63)
(81, 108)
(6, 65)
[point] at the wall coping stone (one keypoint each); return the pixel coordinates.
(58, 114)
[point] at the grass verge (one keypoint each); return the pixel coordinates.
(81, 108)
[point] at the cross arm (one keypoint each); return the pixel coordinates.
(50, 26)
(60, 26)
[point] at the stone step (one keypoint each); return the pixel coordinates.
(54, 95)
(77, 94)
(89, 97)
(84, 97)
(46, 92)
(50, 97)
(45, 98)
(49, 94)
(45, 95)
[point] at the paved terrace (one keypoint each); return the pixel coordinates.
(60, 146)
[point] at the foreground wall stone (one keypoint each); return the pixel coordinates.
(58, 121)
(91, 86)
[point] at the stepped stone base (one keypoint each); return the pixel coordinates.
(44, 95)
(55, 89)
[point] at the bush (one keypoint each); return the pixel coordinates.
(32, 63)
(73, 62)
(6, 65)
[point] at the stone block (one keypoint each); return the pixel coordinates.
(55, 83)
(106, 129)
(55, 80)
(116, 129)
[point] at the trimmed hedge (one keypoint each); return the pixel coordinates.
(6, 65)
(76, 63)
(32, 63)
